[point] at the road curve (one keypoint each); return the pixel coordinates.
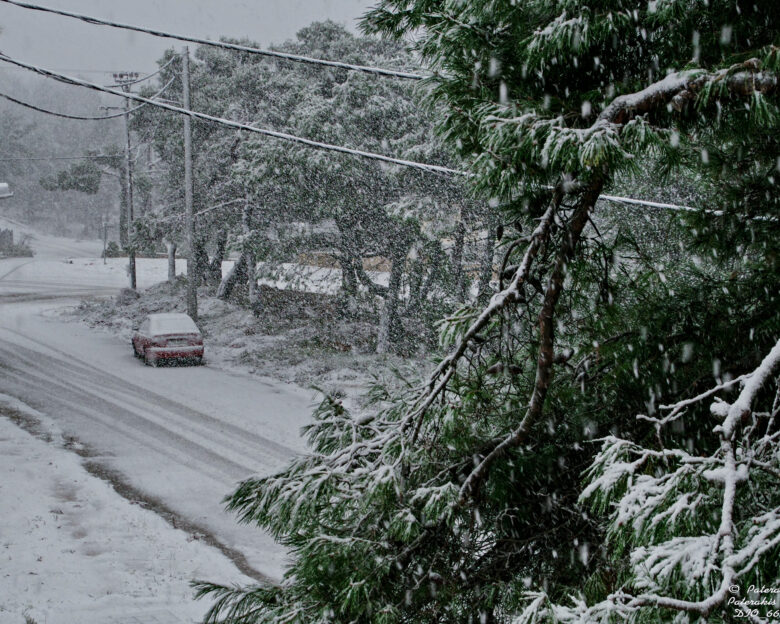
(180, 438)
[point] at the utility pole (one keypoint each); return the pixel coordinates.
(104, 225)
(192, 269)
(125, 79)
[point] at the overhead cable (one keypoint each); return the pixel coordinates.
(75, 69)
(90, 157)
(652, 204)
(235, 124)
(142, 78)
(317, 144)
(297, 58)
(66, 115)
(178, 217)
(79, 117)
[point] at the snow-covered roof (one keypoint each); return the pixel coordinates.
(5, 190)
(171, 323)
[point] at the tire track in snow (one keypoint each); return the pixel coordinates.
(95, 401)
(29, 297)
(135, 495)
(15, 269)
(43, 285)
(242, 447)
(83, 393)
(87, 375)
(130, 425)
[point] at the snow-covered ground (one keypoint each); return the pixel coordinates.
(184, 436)
(177, 440)
(63, 267)
(299, 339)
(73, 550)
(311, 279)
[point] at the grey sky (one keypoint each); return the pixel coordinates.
(64, 43)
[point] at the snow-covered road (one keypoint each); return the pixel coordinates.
(73, 550)
(179, 437)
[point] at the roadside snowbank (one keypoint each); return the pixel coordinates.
(299, 338)
(73, 550)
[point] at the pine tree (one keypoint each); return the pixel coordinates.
(460, 499)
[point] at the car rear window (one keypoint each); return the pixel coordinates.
(174, 324)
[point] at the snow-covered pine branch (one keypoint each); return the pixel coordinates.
(621, 129)
(617, 129)
(451, 499)
(696, 537)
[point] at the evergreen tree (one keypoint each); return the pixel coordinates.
(267, 188)
(460, 499)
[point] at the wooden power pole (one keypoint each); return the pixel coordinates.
(193, 278)
(125, 79)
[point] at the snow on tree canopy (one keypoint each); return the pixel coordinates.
(457, 497)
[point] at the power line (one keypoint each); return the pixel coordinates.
(73, 69)
(316, 144)
(234, 124)
(652, 204)
(94, 156)
(177, 217)
(676, 207)
(65, 115)
(297, 58)
(142, 78)
(80, 117)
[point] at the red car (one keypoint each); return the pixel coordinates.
(167, 337)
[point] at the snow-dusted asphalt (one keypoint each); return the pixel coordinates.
(73, 550)
(180, 437)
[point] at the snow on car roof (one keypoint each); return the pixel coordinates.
(172, 323)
